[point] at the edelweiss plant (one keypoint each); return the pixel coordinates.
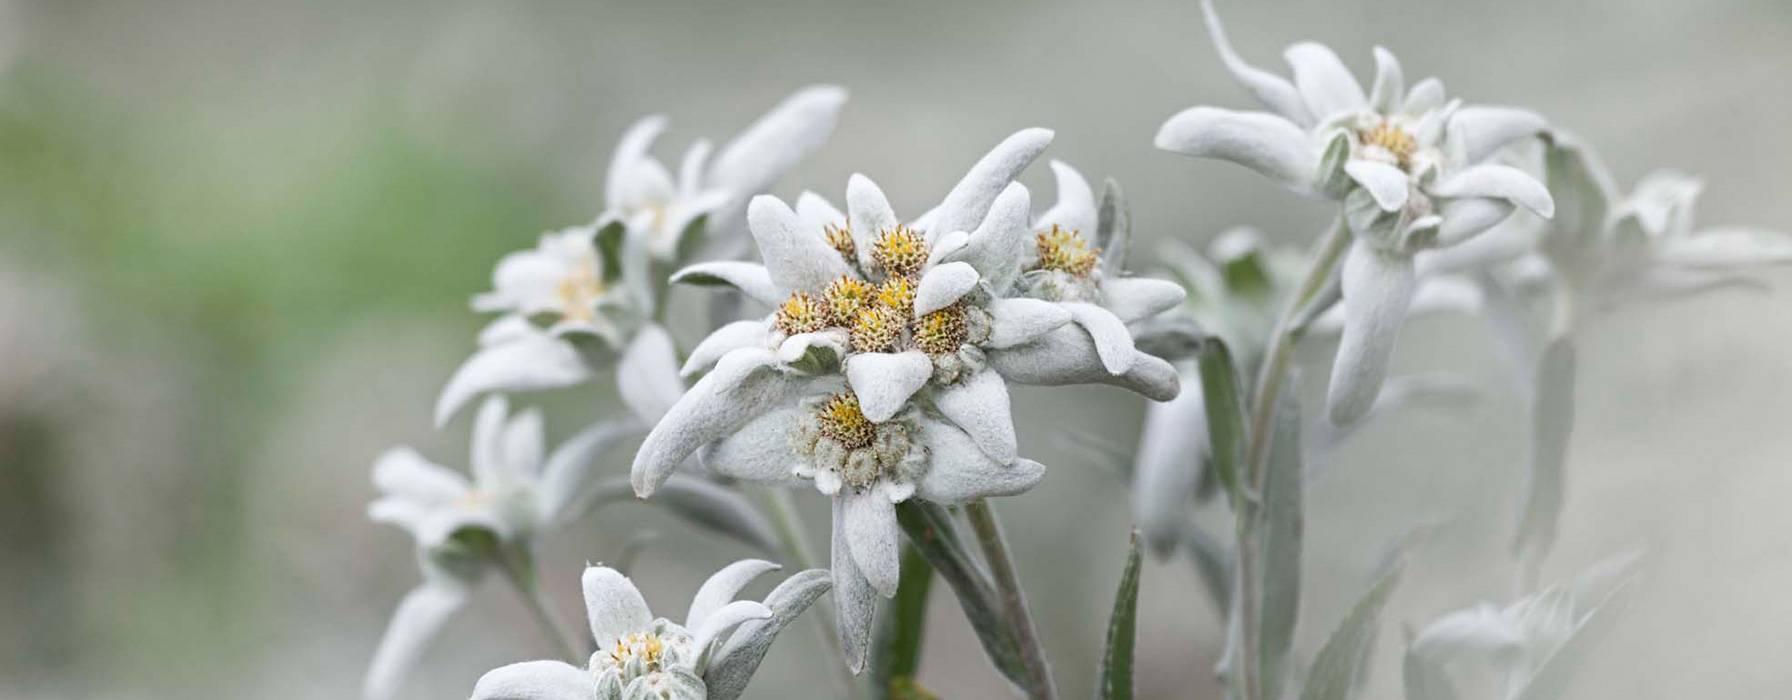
(641, 657)
(875, 364)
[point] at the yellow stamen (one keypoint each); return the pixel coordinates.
(876, 328)
(802, 313)
(897, 294)
(942, 331)
(841, 421)
(1067, 252)
(899, 251)
(840, 237)
(845, 296)
(578, 292)
(1394, 140)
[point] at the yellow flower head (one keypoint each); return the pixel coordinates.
(802, 313)
(1067, 252)
(899, 251)
(845, 296)
(841, 420)
(942, 331)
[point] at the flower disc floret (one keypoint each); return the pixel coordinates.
(943, 331)
(897, 294)
(900, 251)
(840, 237)
(846, 297)
(1391, 141)
(803, 313)
(854, 453)
(877, 328)
(1066, 251)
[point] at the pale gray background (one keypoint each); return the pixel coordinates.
(236, 239)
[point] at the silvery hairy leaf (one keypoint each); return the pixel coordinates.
(1279, 590)
(1113, 229)
(1340, 660)
(1113, 679)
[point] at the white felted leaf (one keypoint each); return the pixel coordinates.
(1272, 90)
(969, 201)
(531, 362)
(1390, 83)
(1266, 143)
(1377, 289)
(536, 680)
(1113, 342)
(855, 601)
(1019, 320)
(797, 258)
(1135, 298)
(733, 665)
(979, 406)
(414, 626)
(868, 215)
(884, 381)
(1386, 183)
(1075, 210)
(1165, 471)
(736, 335)
(871, 533)
(1324, 83)
(630, 149)
(942, 285)
(1477, 132)
(613, 605)
(1067, 356)
(759, 451)
(789, 132)
(647, 374)
(752, 279)
(958, 472)
(1498, 182)
(742, 386)
(995, 248)
(722, 586)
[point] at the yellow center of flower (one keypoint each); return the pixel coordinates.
(841, 420)
(876, 328)
(578, 291)
(802, 313)
(644, 646)
(1066, 251)
(897, 293)
(1394, 140)
(942, 331)
(845, 297)
(899, 251)
(840, 237)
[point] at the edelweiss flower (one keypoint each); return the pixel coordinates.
(897, 308)
(592, 287)
(515, 493)
(640, 657)
(1610, 249)
(1408, 167)
(866, 467)
(1079, 263)
(641, 192)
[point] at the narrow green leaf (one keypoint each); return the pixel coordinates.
(1113, 680)
(935, 535)
(1552, 423)
(609, 250)
(897, 656)
(1225, 414)
(1335, 669)
(1279, 589)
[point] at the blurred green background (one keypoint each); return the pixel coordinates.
(237, 240)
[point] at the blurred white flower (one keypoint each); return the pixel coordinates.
(461, 525)
(596, 289)
(640, 657)
(1408, 166)
(1611, 249)
(1486, 651)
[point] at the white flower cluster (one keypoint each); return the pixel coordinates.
(873, 356)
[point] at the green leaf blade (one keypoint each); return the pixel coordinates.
(1113, 680)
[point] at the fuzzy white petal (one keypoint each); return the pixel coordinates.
(647, 374)
(760, 154)
(1264, 142)
(743, 385)
(1068, 356)
(1499, 182)
(979, 406)
(613, 605)
(871, 533)
(958, 472)
(759, 451)
(1075, 210)
(1167, 467)
(630, 149)
(969, 201)
(1476, 132)
(1377, 289)
(1425, 95)
(1728, 248)
(532, 362)
(796, 257)
(752, 279)
(1272, 90)
(736, 335)
(722, 586)
(1386, 183)
(1467, 217)
(995, 247)
(536, 680)
(1135, 298)
(566, 479)
(1324, 83)
(1390, 83)
(884, 381)
(402, 472)
(855, 601)
(716, 626)
(1113, 342)
(1019, 320)
(868, 215)
(942, 285)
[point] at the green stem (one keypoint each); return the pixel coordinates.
(789, 527)
(1273, 371)
(1014, 600)
(515, 563)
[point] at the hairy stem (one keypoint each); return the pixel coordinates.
(1014, 600)
(1274, 369)
(520, 572)
(796, 546)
